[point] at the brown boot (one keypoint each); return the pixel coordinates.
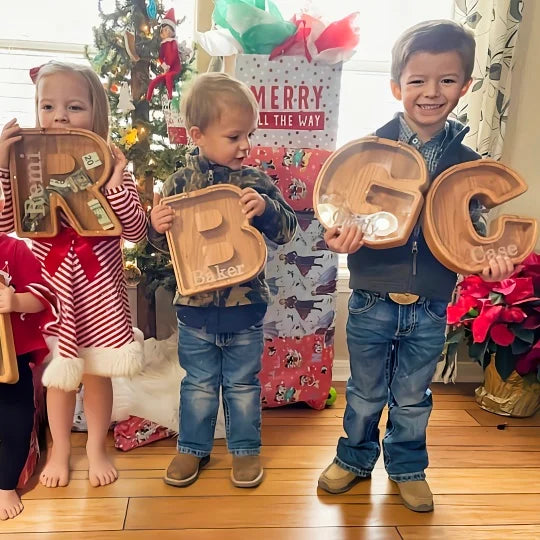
(184, 469)
(334, 479)
(247, 471)
(416, 495)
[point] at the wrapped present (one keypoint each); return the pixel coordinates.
(135, 431)
(293, 171)
(296, 369)
(298, 100)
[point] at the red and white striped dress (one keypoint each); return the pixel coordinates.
(94, 334)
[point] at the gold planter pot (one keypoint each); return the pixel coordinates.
(513, 397)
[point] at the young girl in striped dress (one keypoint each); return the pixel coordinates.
(94, 339)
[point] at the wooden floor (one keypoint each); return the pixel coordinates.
(486, 483)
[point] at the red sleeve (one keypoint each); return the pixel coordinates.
(27, 278)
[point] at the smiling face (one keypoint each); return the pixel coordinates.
(430, 87)
(227, 141)
(64, 101)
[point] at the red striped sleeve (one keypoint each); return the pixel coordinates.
(7, 223)
(126, 204)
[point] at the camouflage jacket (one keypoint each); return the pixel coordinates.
(278, 223)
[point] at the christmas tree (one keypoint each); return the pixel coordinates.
(128, 42)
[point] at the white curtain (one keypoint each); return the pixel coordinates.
(484, 108)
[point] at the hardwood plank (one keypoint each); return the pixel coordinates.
(56, 515)
(482, 532)
(216, 482)
(485, 418)
(306, 457)
(320, 533)
(438, 418)
(436, 436)
(457, 403)
(463, 389)
(324, 511)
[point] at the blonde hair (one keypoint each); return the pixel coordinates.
(210, 94)
(98, 97)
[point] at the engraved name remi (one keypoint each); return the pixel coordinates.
(221, 272)
(36, 202)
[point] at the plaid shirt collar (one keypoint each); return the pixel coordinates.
(432, 149)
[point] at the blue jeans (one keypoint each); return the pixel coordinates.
(393, 351)
(212, 361)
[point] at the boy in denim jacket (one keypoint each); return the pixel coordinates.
(220, 336)
(397, 310)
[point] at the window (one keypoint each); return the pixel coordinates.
(366, 102)
(38, 31)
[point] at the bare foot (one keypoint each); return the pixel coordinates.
(100, 469)
(10, 504)
(56, 470)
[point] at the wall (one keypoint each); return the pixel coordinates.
(522, 141)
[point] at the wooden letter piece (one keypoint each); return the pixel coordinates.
(9, 371)
(448, 228)
(212, 244)
(50, 171)
(368, 176)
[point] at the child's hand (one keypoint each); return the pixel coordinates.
(120, 162)
(252, 203)
(346, 239)
(161, 216)
(7, 299)
(499, 268)
(9, 136)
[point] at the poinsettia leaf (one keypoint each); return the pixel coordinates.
(492, 347)
(473, 312)
(532, 322)
(501, 334)
(506, 286)
(478, 350)
(485, 361)
(524, 334)
(532, 300)
(520, 347)
(456, 336)
(481, 325)
(505, 362)
(527, 364)
(523, 289)
(496, 298)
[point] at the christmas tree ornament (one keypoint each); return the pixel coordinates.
(151, 8)
(176, 128)
(129, 43)
(132, 274)
(169, 56)
(125, 102)
(129, 136)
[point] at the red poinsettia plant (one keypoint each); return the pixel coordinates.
(501, 320)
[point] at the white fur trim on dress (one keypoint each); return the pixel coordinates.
(125, 361)
(63, 373)
(66, 373)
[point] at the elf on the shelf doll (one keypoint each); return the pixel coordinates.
(168, 56)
